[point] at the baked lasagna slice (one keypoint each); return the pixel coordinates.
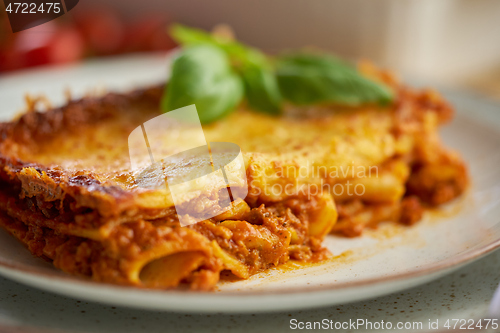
(68, 191)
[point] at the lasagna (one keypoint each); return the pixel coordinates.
(68, 191)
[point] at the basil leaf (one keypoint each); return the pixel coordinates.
(202, 75)
(261, 88)
(310, 78)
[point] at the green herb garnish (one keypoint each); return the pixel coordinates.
(216, 73)
(237, 52)
(261, 88)
(202, 75)
(306, 78)
(253, 66)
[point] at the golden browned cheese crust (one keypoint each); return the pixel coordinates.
(68, 193)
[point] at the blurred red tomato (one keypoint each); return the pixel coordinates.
(44, 44)
(101, 28)
(9, 60)
(149, 33)
(67, 45)
(95, 31)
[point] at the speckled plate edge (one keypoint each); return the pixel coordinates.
(251, 301)
(240, 301)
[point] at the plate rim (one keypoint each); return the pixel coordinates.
(432, 270)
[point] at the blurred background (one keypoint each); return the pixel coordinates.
(453, 42)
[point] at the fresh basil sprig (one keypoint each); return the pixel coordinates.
(202, 75)
(306, 78)
(238, 52)
(254, 67)
(215, 73)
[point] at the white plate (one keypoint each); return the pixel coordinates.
(381, 262)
